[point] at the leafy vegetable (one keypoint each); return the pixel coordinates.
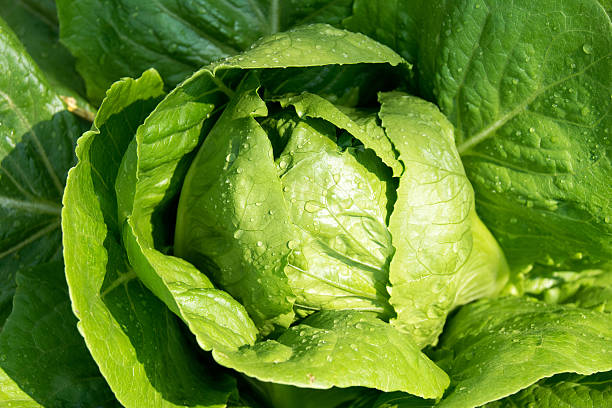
(279, 212)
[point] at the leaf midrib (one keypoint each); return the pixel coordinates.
(490, 130)
(55, 224)
(37, 144)
(40, 207)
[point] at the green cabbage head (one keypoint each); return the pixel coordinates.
(296, 212)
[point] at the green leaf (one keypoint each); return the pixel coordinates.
(526, 85)
(135, 340)
(563, 391)
(111, 41)
(36, 25)
(486, 271)
(361, 126)
(40, 336)
(312, 46)
(494, 348)
(13, 396)
(436, 266)
(589, 289)
(394, 23)
(338, 203)
(37, 138)
(320, 351)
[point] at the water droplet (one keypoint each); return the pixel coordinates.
(312, 206)
(230, 157)
(259, 243)
(531, 130)
(354, 347)
(587, 48)
(292, 244)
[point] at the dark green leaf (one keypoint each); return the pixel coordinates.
(37, 140)
(112, 40)
(527, 86)
(35, 23)
(41, 350)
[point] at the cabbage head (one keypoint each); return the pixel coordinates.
(291, 209)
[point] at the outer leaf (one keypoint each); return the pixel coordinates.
(527, 86)
(36, 25)
(42, 329)
(495, 348)
(563, 391)
(319, 352)
(176, 37)
(312, 46)
(133, 337)
(37, 137)
(394, 23)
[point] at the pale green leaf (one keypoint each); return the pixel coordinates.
(134, 338)
(494, 348)
(430, 223)
(320, 351)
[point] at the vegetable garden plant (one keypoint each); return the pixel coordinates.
(320, 203)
